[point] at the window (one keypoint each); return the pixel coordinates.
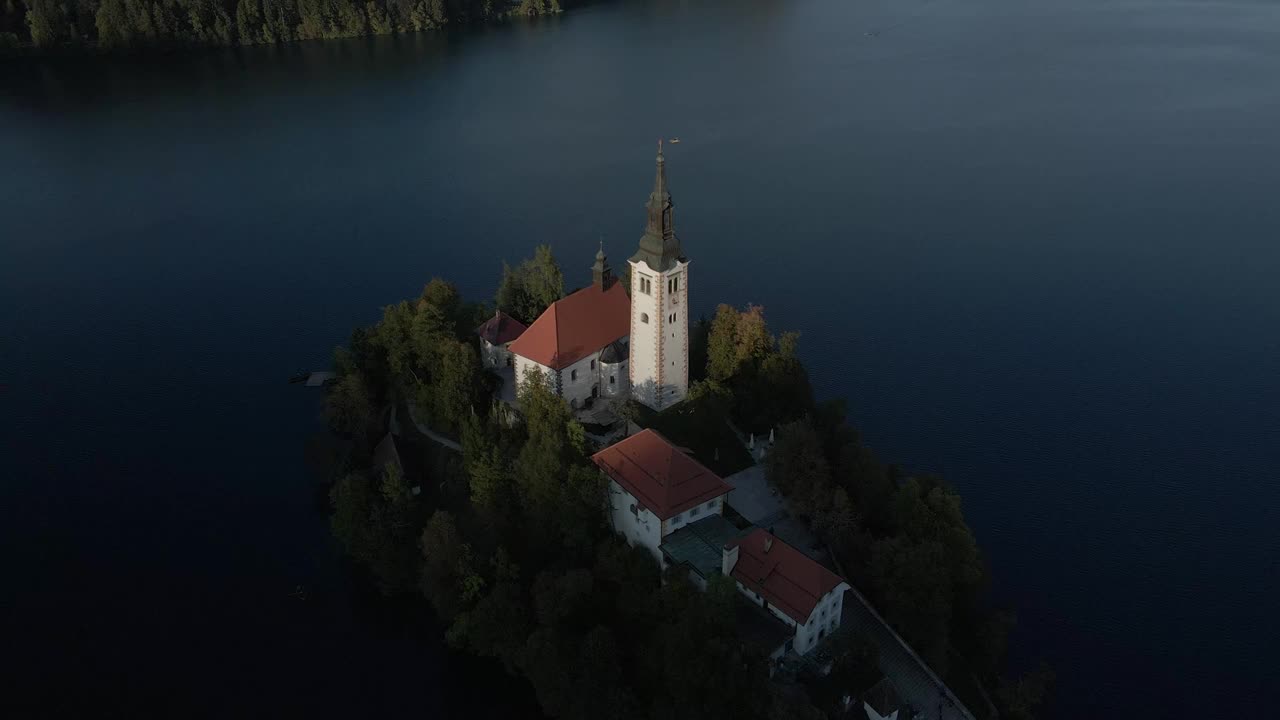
(612, 380)
(644, 318)
(711, 505)
(593, 364)
(573, 374)
(646, 285)
(676, 519)
(694, 512)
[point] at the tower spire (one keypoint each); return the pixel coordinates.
(659, 246)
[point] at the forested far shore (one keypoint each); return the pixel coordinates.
(45, 25)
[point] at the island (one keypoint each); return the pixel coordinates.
(647, 515)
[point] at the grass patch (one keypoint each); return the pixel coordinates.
(702, 429)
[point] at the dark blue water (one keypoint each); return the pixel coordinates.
(1035, 245)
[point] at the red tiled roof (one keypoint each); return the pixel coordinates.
(663, 479)
(790, 580)
(576, 326)
(501, 329)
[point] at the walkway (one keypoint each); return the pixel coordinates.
(755, 500)
(432, 434)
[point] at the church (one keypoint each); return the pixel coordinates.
(598, 342)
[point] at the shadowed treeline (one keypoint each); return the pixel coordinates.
(45, 25)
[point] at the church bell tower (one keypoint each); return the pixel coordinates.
(659, 363)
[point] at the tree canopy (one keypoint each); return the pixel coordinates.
(768, 383)
(530, 287)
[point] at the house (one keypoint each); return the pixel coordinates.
(655, 489)
(794, 587)
(496, 335)
(602, 342)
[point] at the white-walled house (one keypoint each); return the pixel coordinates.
(574, 343)
(656, 489)
(795, 588)
(496, 335)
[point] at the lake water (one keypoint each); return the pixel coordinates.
(1035, 245)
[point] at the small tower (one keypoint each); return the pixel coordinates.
(601, 275)
(659, 351)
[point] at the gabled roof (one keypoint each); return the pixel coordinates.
(501, 329)
(790, 580)
(576, 326)
(666, 481)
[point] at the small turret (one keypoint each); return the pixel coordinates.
(601, 275)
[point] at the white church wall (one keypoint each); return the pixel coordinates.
(494, 356)
(579, 379)
(524, 365)
(614, 379)
(675, 335)
(640, 528)
(645, 317)
(659, 334)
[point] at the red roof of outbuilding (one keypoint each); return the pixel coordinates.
(501, 329)
(790, 580)
(576, 326)
(665, 480)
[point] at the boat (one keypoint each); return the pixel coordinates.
(674, 141)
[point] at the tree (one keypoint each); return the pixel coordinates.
(376, 527)
(722, 345)
(447, 568)
(527, 290)
(47, 22)
(797, 466)
(348, 407)
(249, 21)
(914, 585)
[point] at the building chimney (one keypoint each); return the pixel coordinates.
(728, 559)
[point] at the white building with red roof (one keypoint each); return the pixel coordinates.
(578, 343)
(600, 342)
(655, 489)
(797, 589)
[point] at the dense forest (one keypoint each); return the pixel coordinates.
(131, 24)
(509, 543)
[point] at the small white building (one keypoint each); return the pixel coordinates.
(655, 489)
(496, 335)
(797, 589)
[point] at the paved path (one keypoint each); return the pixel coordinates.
(437, 437)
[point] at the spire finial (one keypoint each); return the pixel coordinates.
(659, 148)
